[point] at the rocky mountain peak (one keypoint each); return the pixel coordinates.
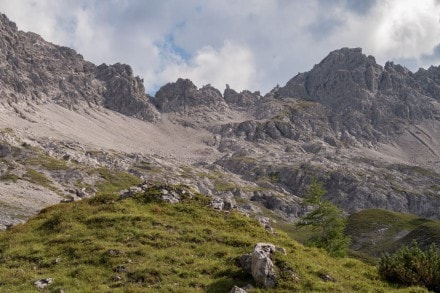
(430, 81)
(183, 96)
(346, 71)
(6, 25)
(345, 59)
(244, 99)
(124, 92)
(33, 70)
(366, 100)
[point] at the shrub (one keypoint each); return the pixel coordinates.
(412, 266)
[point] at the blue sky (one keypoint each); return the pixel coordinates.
(248, 44)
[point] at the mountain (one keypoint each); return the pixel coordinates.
(89, 137)
(369, 132)
(36, 71)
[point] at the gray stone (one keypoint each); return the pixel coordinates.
(259, 264)
(120, 269)
(130, 192)
(81, 193)
(43, 283)
(326, 277)
(217, 203)
(229, 203)
(237, 289)
(265, 222)
(5, 150)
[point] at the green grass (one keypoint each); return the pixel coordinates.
(47, 162)
(39, 178)
(223, 186)
(222, 183)
(145, 166)
(158, 247)
(114, 181)
(9, 177)
(375, 231)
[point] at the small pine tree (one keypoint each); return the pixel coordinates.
(328, 218)
(412, 266)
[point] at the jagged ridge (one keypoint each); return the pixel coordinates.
(34, 70)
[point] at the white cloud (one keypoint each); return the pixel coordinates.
(42, 17)
(231, 64)
(408, 28)
(393, 29)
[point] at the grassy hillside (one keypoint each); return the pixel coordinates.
(375, 231)
(138, 244)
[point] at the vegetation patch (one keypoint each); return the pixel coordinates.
(115, 181)
(223, 186)
(105, 244)
(47, 162)
(377, 231)
(413, 266)
(38, 178)
(9, 177)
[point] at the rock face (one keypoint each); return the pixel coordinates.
(125, 93)
(33, 70)
(189, 105)
(243, 100)
(182, 96)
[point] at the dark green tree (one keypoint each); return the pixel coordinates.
(328, 219)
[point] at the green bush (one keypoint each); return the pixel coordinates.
(412, 266)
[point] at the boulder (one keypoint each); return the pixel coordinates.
(5, 150)
(217, 203)
(259, 264)
(265, 222)
(43, 283)
(170, 196)
(223, 203)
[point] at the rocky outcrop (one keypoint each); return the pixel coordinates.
(353, 183)
(125, 93)
(223, 203)
(259, 264)
(429, 81)
(163, 193)
(299, 121)
(182, 96)
(243, 100)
